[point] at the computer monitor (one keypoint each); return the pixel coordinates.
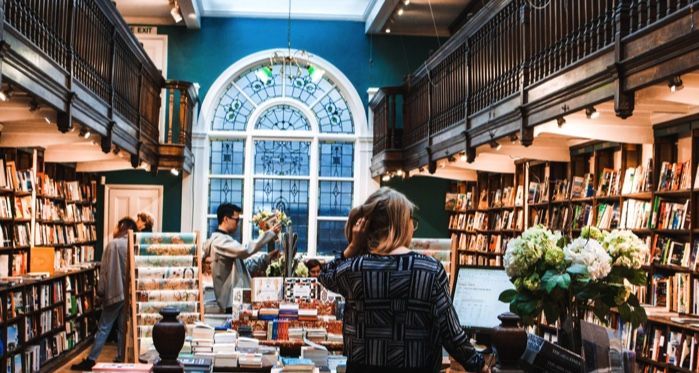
(475, 296)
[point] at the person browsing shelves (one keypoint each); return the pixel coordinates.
(232, 262)
(398, 313)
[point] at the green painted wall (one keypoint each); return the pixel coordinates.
(172, 197)
(427, 193)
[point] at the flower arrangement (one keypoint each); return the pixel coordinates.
(265, 219)
(276, 268)
(561, 279)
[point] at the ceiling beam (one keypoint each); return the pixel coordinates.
(191, 14)
(378, 13)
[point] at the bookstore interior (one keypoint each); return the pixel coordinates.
(191, 186)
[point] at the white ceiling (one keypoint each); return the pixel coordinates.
(416, 18)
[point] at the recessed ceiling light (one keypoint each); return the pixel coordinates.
(400, 11)
(388, 30)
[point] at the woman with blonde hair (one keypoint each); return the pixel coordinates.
(398, 313)
(144, 221)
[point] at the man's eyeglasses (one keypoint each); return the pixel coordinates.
(237, 218)
(415, 222)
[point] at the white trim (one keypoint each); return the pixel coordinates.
(332, 218)
(350, 17)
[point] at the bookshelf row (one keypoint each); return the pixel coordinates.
(44, 318)
(44, 205)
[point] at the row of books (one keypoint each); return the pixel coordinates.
(675, 176)
(53, 210)
(677, 348)
(607, 216)
(23, 207)
(73, 256)
(506, 197)
(494, 243)
(58, 234)
(458, 202)
(538, 191)
(609, 183)
(671, 292)
(469, 221)
(68, 190)
(667, 251)
(508, 220)
(12, 178)
(670, 215)
(635, 214)
(637, 179)
(480, 260)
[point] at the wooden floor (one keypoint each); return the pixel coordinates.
(108, 354)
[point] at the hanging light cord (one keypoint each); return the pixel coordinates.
(434, 23)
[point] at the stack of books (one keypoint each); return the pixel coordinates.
(316, 334)
(268, 314)
(250, 360)
(248, 344)
(289, 311)
(308, 314)
(297, 365)
(318, 356)
(203, 340)
(335, 337)
(295, 334)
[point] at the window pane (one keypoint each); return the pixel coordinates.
(301, 86)
(258, 90)
(336, 159)
(283, 118)
(282, 158)
(232, 112)
(227, 157)
(290, 196)
(333, 114)
(225, 190)
(335, 198)
(238, 234)
(331, 237)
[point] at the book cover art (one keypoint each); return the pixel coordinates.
(167, 249)
(144, 238)
(175, 273)
(166, 284)
(296, 288)
(451, 202)
(267, 289)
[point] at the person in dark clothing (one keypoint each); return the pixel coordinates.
(398, 312)
(111, 288)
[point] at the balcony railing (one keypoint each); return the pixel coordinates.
(511, 46)
(181, 104)
(89, 51)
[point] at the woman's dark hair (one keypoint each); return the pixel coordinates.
(147, 219)
(312, 263)
(124, 225)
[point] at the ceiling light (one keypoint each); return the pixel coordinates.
(264, 73)
(47, 120)
(406, 2)
(399, 173)
(400, 11)
(315, 73)
(3, 96)
(591, 112)
(463, 157)
(386, 177)
(6, 94)
(175, 171)
(675, 84)
(388, 30)
(560, 121)
(85, 133)
(175, 13)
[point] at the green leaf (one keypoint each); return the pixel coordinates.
(577, 269)
(508, 296)
(549, 284)
(633, 300)
(563, 281)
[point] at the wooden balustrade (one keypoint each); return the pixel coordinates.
(386, 106)
(509, 47)
(98, 69)
(181, 103)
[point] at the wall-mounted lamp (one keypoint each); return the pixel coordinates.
(675, 84)
(591, 112)
(560, 121)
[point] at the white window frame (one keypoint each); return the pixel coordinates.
(203, 135)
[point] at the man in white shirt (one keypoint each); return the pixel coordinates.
(230, 260)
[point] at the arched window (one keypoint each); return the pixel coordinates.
(278, 137)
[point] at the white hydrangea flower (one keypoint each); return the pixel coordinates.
(591, 254)
(525, 251)
(626, 249)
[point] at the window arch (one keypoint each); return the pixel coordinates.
(285, 140)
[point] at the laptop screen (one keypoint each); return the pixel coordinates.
(476, 294)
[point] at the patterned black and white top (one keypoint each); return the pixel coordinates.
(398, 314)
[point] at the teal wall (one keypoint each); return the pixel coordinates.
(427, 193)
(367, 61)
(172, 197)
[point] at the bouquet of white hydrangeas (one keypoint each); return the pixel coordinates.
(562, 279)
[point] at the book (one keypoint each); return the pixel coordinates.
(122, 367)
(267, 288)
